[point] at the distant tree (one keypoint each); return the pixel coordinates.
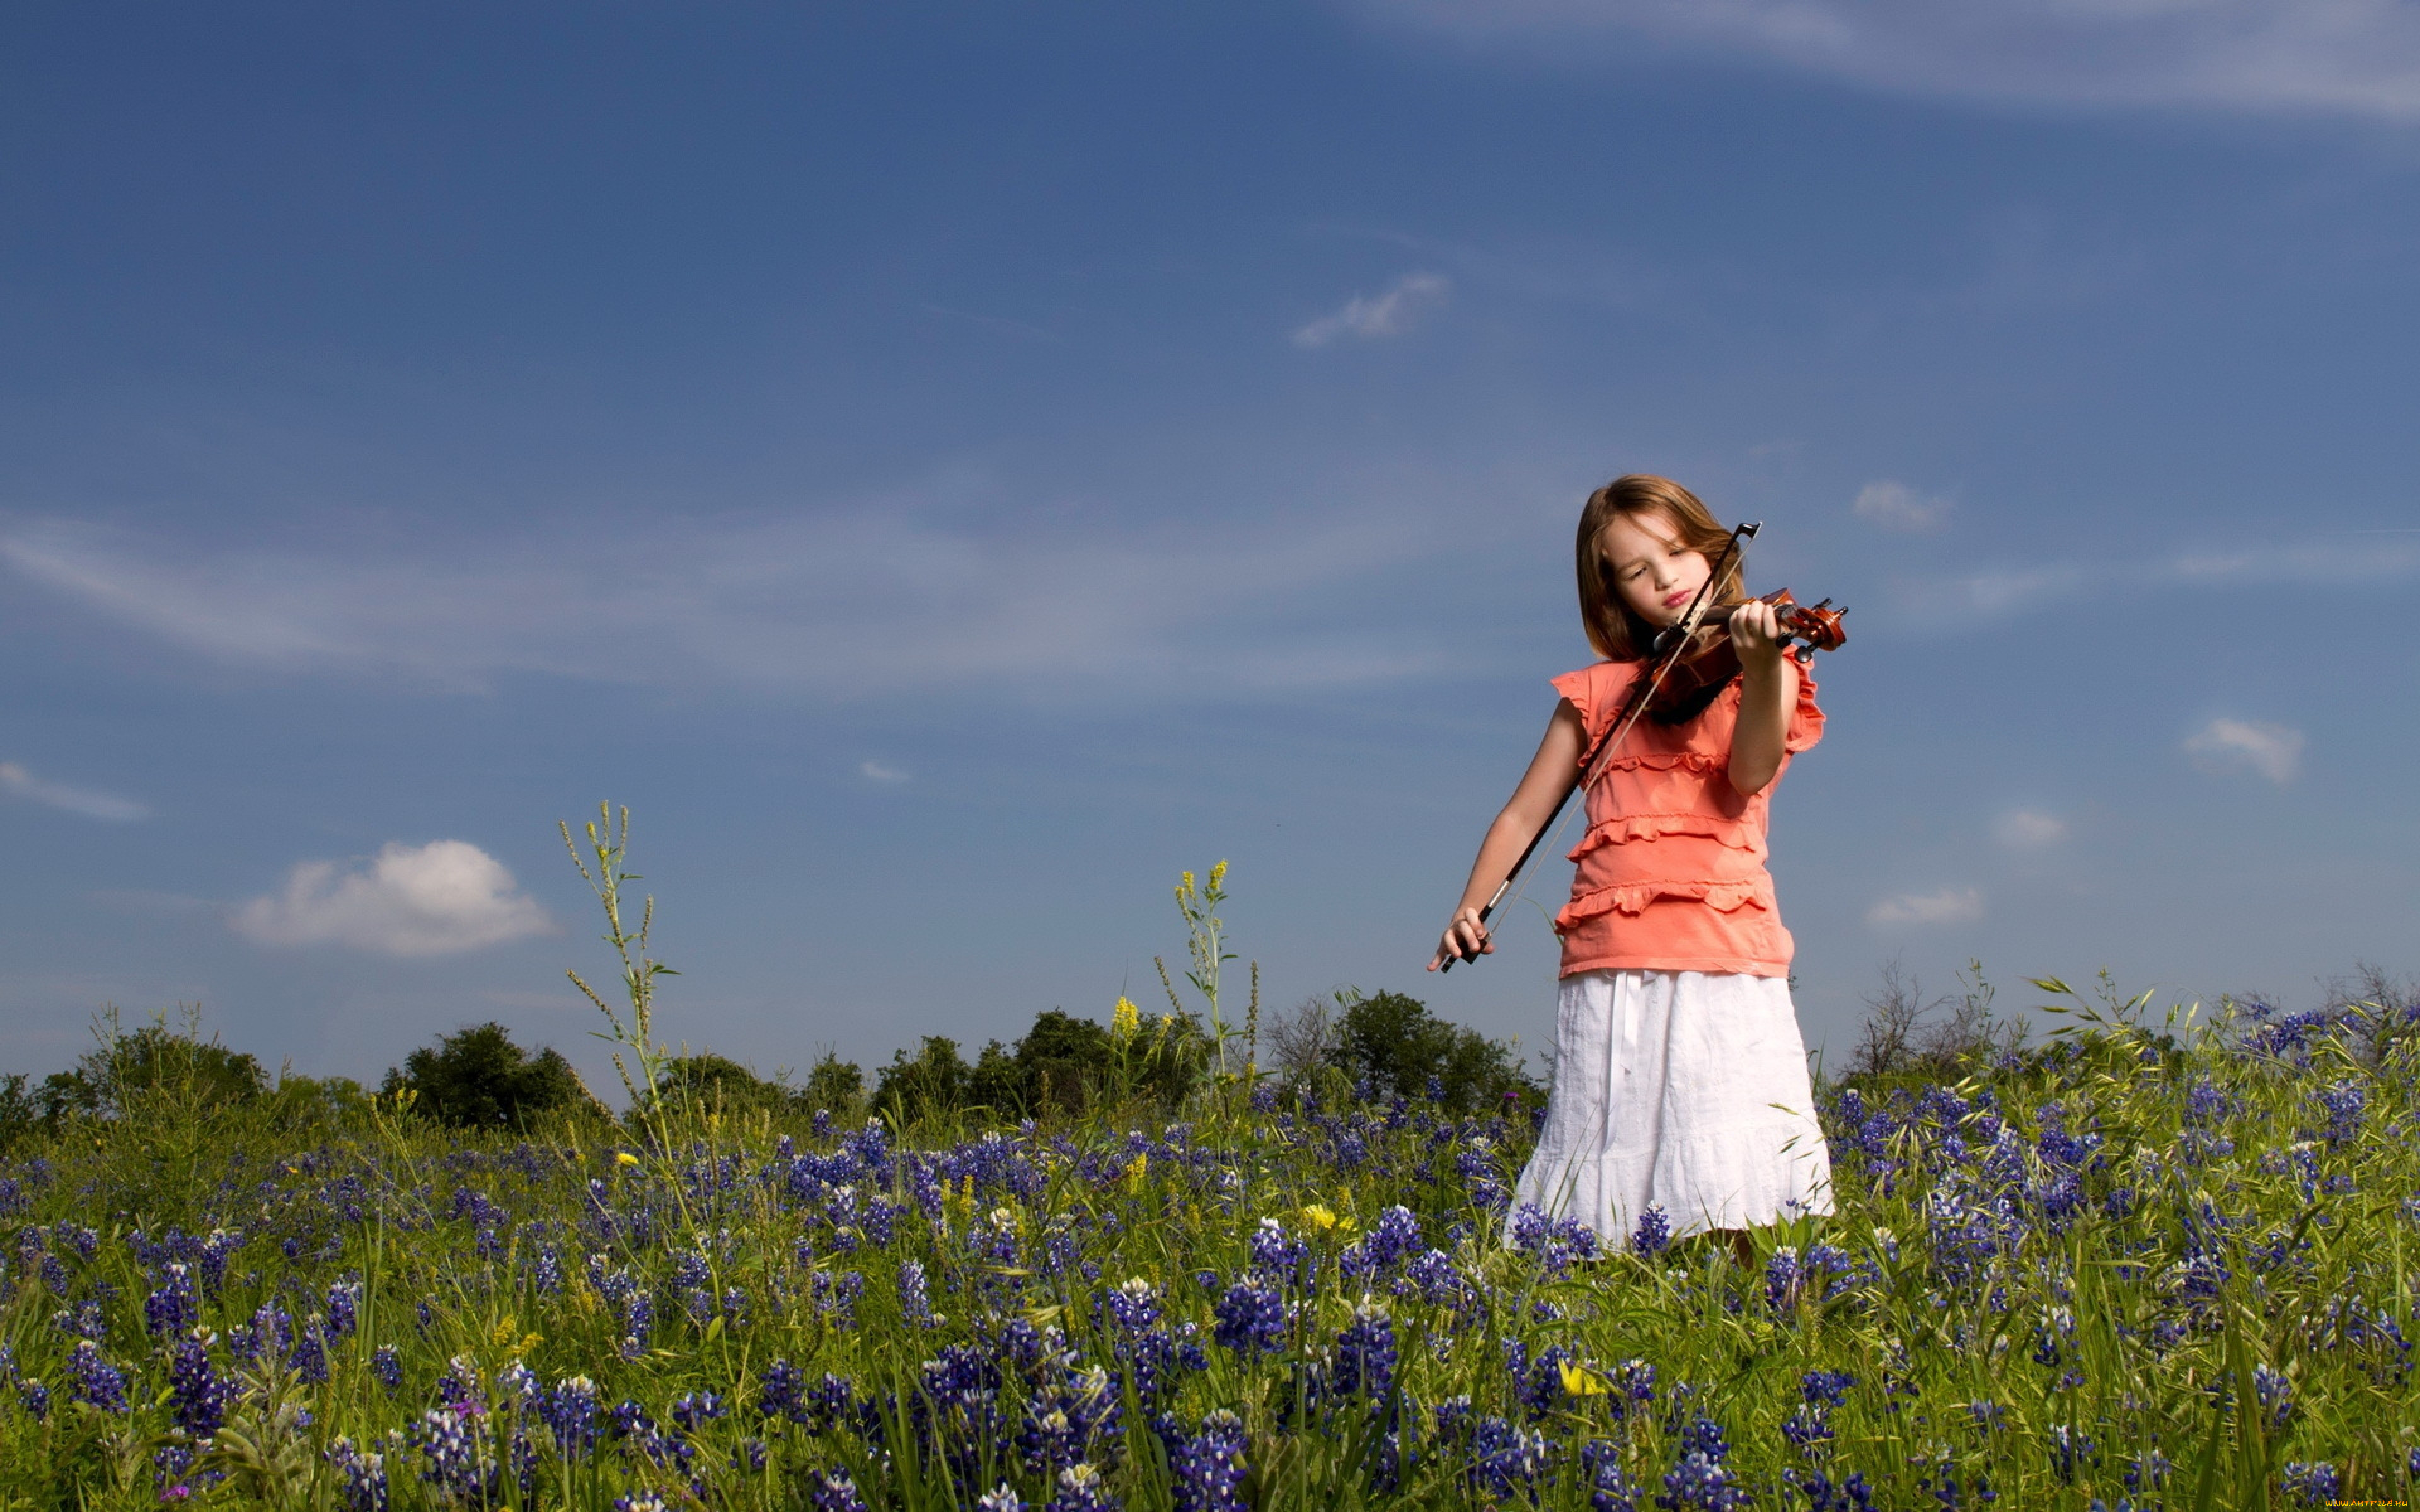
(835, 1086)
(156, 1061)
(20, 1109)
(1305, 1039)
(706, 1080)
(479, 1078)
(933, 1081)
(1393, 1041)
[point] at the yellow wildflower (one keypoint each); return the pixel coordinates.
(1319, 1214)
(1126, 1019)
(1579, 1381)
(623, 1157)
(1134, 1172)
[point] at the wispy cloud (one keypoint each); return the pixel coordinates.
(1951, 906)
(18, 782)
(881, 771)
(1896, 506)
(439, 898)
(2273, 750)
(2356, 57)
(1390, 314)
(2007, 590)
(878, 597)
(2029, 829)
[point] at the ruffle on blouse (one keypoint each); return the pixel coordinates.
(1632, 897)
(1732, 834)
(1668, 761)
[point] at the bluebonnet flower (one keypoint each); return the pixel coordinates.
(1052, 1441)
(387, 1367)
(1365, 1353)
(1700, 1480)
(782, 1391)
(2344, 1102)
(1784, 1281)
(171, 1309)
(1557, 1374)
(832, 1490)
(1251, 1318)
(199, 1394)
(83, 1321)
(35, 1398)
(310, 1354)
(1807, 1428)
(1654, 1234)
(452, 1458)
(913, 1303)
(571, 1417)
(1825, 1388)
(1278, 1254)
(692, 1407)
(1610, 1490)
(1851, 1495)
(344, 1308)
(361, 1476)
(1440, 1281)
(1207, 1471)
(2313, 1482)
(2147, 1471)
(1082, 1489)
(94, 1379)
(2277, 1394)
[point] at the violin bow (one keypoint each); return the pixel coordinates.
(1595, 760)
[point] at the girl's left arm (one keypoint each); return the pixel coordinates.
(1768, 690)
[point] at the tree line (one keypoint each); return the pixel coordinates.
(1063, 1067)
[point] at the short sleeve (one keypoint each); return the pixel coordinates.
(1806, 720)
(1596, 691)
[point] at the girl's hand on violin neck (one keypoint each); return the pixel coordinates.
(1465, 939)
(1756, 635)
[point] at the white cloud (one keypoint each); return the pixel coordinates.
(1951, 906)
(437, 899)
(19, 783)
(1390, 314)
(889, 595)
(1896, 506)
(2273, 750)
(2027, 829)
(2357, 57)
(880, 772)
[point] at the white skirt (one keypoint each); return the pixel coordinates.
(1680, 1090)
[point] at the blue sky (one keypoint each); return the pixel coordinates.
(948, 469)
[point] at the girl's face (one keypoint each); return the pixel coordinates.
(1655, 574)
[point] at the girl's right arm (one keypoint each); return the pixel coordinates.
(1552, 775)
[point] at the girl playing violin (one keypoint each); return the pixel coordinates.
(1680, 1076)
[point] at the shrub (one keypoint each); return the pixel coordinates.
(479, 1078)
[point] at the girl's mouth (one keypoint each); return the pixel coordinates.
(1676, 599)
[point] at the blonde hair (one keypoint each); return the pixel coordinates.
(1618, 634)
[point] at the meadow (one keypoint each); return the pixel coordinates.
(2155, 1261)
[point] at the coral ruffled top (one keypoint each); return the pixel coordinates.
(1672, 872)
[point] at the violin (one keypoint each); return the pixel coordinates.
(1708, 662)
